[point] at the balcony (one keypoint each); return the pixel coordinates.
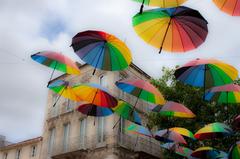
(76, 147)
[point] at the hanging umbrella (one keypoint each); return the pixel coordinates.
(183, 131)
(126, 111)
(234, 152)
(173, 109)
(95, 94)
(139, 130)
(231, 7)
(206, 73)
(183, 151)
(205, 153)
(56, 61)
(213, 130)
(101, 50)
(63, 88)
(160, 3)
(236, 122)
(177, 29)
(93, 110)
(229, 93)
(169, 136)
(141, 89)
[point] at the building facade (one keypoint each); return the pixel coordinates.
(68, 134)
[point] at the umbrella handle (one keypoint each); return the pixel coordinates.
(116, 123)
(142, 6)
(94, 71)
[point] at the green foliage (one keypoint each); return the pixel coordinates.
(192, 97)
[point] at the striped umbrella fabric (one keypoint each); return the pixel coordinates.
(173, 109)
(95, 94)
(177, 29)
(162, 3)
(183, 131)
(206, 73)
(126, 111)
(141, 89)
(213, 130)
(166, 135)
(56, 61)
(102, 50)
(229, 93)
(234, 152)
(205, 153)
(231, 7)
(139, 130)
(93, 110)
(63, 88)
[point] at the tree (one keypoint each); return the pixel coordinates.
(192, 97)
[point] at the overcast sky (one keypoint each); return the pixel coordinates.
(29, 26)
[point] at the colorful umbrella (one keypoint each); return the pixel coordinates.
(205, 153)
(101, 50)
(234, 152)
(213, 130)
(141, 89)
(183, 131)
(231, 7)
(126, 111)
(229, 93)
(183, 151)
(177, 29)
(206, 73)
(139, 130)
(236, 122)
(169, 136)
(173, 109)
(95, 94)
(93, 110)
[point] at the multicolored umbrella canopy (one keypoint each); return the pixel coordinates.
(169, 136)
(93, 110)
(169, 146)
(95, 94)
(177, 29)
(63, 88)
(213, 130)
(173, 109)
(139, 130)
(183, 151)
(183, 131)
(205, 153)
(126, 111)
(229, 93)
(206, 73)
(57, 61)
(236, 122)
(231, 7)
(162, 3)
(234, 152)
(141, 89)
(102, 50)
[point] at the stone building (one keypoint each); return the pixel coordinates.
(68, 134)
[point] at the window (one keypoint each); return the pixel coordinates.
(33, 151)
(122, 125)
(66, 130)
(51, 140)
(103, 81)
(83, 130)
(68, 106)
(5, 156)
(101, 129)
(18, 153)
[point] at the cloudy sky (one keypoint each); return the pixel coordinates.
(28, 26)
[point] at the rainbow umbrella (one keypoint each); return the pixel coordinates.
(141, 89)
(206, 73)
(183, 131)
(231, 7)
(206, 153)
(139, 130)
(95, 94)
(183, 151)
(126, 111)
(173, 109)
(213, 130)
(57, 61)
(169, 146)
(177, 29)
(101, 50)
(166, 135)
(234, 152)
(229, 93)
(236, 122)
(63, 88)
(93, 110)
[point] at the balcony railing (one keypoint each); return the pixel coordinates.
(133, 143)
